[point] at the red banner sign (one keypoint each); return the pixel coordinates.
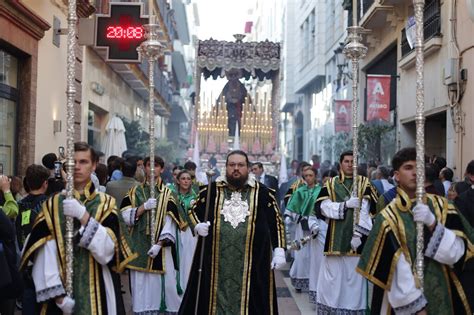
(378, 97)
(342, 117)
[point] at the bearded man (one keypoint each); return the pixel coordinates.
(242, 230)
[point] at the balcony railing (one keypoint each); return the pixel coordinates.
(431, 27)
(162, 84)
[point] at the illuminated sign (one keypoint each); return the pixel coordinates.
(121, 32)
(131, 32)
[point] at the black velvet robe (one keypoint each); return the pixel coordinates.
(266, 232)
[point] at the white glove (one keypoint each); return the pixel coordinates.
(67, 306)
(353, 202)
(422, 213)
(288, 220)
(202, 229)
(279, 259)
(150, 204)
(314, 230)
(154, 250)
(355, 242)
(73, 208)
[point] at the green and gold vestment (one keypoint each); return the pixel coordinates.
(394, 233)
(88, 283)
(140, 232)
(340, 232)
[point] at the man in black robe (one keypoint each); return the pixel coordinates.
(240, 234)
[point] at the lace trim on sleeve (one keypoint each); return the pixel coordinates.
(412, 308)
(49, 293)
(342, 207)
(167, 236)
(89, 233)
(435, 241)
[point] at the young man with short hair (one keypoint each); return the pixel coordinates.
(340, 289)
(389, 256)
(100, 247)
(153, 274)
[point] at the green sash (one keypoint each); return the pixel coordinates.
(186, 201)
(303, 200)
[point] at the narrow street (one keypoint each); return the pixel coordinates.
(289, 301)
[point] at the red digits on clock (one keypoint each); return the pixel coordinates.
(110, 32)
(131, 32)
(139, 32)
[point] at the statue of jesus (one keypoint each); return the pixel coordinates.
(234, 92)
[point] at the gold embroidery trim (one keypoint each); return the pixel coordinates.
(461, 292)
(215, 249)
(253, 195)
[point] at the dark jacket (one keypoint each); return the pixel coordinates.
(119, 188)
(10, 280)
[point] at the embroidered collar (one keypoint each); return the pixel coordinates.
(189, 193)
(223, 180)
(89, 192)
(158, 185)
(343, 177)
(402, 201)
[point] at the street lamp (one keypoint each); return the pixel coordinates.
(342, 65)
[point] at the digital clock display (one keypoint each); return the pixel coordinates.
(119, 32)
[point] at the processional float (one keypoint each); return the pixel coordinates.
(258, 118)
(258, 114)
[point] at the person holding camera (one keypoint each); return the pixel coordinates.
(55, 181)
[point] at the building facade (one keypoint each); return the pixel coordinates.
(448, 53)
(33, 80)
(312, 31)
